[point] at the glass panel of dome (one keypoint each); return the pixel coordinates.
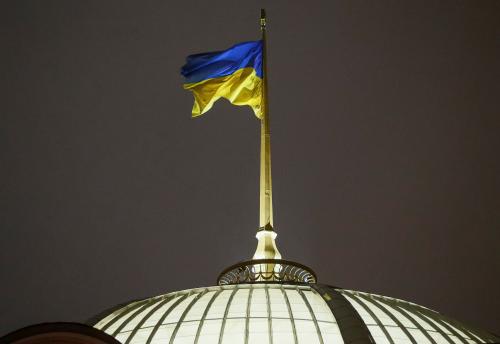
(258, 305)
(278, 304)
(306, 332)
(141, 336)
(186, 332)
(258, 331)
(455, 339)
(218, 307)
(199, 307)
(238, 307)
(210, 332)
(378, 335)
(282, 331)
(233, 330)
(299, 308)
(122, 337)
(330, 333)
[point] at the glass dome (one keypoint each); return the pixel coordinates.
(271, 313)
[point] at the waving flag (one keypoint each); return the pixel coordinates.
(235, 74)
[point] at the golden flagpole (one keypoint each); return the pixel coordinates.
(266, 247)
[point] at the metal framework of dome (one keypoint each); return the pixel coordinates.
(267, 271)
(282, 313)
(269, 300)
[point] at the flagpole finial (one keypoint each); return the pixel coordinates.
(262, 19)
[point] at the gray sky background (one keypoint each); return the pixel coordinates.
(385, 138)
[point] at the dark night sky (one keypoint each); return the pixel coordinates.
(385, 132)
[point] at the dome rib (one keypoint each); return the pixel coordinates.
(415, 323)
(391, 316)
(290, 314)
(146, 317)
(470, 331)
(269, 317)
(435, 330)
(247, 313)
(123, 312)
(184, 313)
(224, 319)
(373, 316)
(204, 316)
(308, 305)
(351, 325)
(167, 312)
(440, 322)
(138, 311)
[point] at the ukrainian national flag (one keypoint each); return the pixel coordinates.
(235, 74)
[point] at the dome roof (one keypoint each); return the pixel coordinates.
(281, 313)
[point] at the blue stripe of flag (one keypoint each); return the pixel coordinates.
(221, 63)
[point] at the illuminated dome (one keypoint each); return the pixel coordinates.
(269, 300)
(263, 313)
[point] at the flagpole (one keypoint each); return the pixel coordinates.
(266, 247)
(266, 196)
